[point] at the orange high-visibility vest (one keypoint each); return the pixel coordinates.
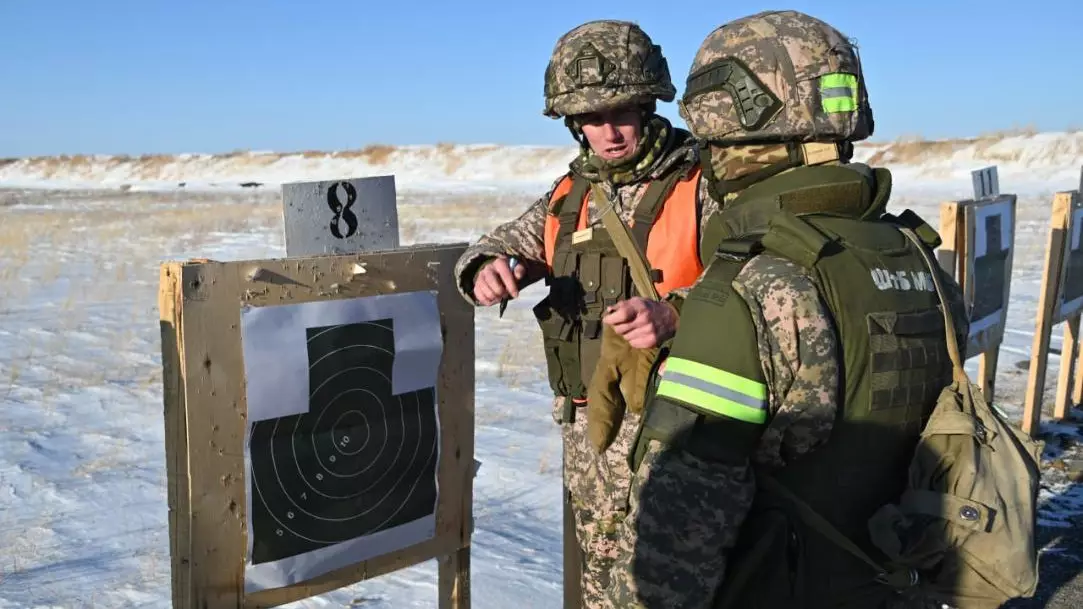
(673, 241)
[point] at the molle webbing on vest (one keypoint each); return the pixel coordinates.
(903, 347)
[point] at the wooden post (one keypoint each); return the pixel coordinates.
(1077, 389)
(950, 225)
(1047, 307)
(1067, 369)
(176, 437)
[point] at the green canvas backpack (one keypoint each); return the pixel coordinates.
(963, 529)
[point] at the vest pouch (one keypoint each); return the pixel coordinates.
(601, 278)
(561, 346)
(768, 574)
(590, 280)
(614, 281)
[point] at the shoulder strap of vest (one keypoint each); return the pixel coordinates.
(567, 208)
(909, 219)
(795, 239)
(650, 206)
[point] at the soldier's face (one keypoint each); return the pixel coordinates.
(612, 134)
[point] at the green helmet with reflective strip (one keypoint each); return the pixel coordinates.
(776, 76)
(605, 64)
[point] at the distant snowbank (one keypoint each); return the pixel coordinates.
(1041, 162)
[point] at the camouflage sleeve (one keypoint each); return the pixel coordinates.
(523, 237)
(799, 353)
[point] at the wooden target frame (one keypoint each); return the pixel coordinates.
(1064, 255)
(959, 229)
(205, 411)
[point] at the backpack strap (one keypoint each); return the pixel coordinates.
(626, 245)
(899, 579)
(958, 373)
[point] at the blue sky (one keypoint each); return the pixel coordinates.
(134, 77)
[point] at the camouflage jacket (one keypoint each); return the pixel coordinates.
(666, 561)
(523, 237)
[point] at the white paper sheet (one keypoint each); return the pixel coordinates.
(277, 385)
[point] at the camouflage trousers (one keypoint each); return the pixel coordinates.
(684, 515)
(598, 485)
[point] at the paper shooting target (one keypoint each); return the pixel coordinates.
(361, 460)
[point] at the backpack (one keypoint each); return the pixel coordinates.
(963, 529)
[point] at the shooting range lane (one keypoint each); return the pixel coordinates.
(342, 451)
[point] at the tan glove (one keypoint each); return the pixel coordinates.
(617, 385)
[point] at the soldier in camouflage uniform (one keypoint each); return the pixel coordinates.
(792, 368)
(604, 78)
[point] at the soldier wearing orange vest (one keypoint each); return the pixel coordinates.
(604, 78)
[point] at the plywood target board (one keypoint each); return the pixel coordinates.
(325, 406)
(990, 239)
(1070, 290)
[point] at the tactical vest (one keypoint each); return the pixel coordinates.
(587, 274)
(714, 401)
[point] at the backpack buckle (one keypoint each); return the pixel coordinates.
(900, 580)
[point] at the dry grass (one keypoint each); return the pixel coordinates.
(376, 154)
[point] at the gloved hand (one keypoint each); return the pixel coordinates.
(618, 384)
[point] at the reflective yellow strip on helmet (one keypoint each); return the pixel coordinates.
(838, 92)
(714, 390)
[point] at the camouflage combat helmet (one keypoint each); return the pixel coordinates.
(776, 76)
(602, 65)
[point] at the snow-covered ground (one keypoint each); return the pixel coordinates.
(83, 515)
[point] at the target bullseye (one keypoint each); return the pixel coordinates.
(350, 432)
(359, 461)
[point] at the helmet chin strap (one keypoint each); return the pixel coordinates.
(577, 132)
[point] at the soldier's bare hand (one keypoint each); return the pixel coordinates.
(643, 323)
(496, 281)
